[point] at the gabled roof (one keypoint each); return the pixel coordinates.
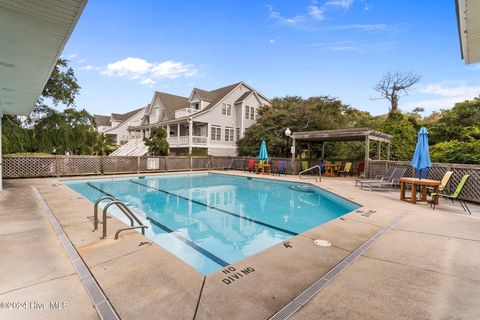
(171, 103)
(101, 120)
(244, 96)
(124, 116)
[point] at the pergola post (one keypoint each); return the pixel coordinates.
(309, 151)
(323, 150)
(293, 155)
(379, 150)
(367, 156)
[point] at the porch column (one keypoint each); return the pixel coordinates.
(190, 136)
(178, 134)
(367, 156)
(1, 159)
(293, 155)
(209, 133)
(168, 131)
(379, 150)
(242, 115)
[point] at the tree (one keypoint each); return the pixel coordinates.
(393, 85)
(315, 113)
(157, 142)
(19, 133)
(71, 131)
(404, 136)
(103, 145)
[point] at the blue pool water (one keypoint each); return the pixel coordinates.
(213, 220)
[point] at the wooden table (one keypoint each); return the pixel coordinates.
(262, 167)
(423, 183)
(332, 169)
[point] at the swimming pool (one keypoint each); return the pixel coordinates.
(211, 220)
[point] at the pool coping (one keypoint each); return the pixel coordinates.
(204, 308)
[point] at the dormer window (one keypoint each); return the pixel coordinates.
(196, 105)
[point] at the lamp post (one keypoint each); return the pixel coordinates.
(288, 133)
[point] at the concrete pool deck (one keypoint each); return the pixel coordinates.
(426, 267)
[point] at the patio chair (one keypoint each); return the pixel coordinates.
(392, 183)
(346, 169)
(280, 167)
(259, 166)
(386, 177)
(454, 196)
(250, 166)
(443, 184)
(361, 169)
(304, 165)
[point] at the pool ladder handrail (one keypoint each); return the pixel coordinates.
(310, 169)
(123, 207)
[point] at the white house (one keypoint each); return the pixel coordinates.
(116, 125)
(214, 120)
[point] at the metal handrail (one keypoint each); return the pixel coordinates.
(95, 210)
(128, 213)
(310, 169)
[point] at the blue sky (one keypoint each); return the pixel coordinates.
(122, 51)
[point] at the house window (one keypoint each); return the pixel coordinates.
(252, 113)
(228, 134)
(196, 106)
(216, 133)
(238, 133)
(226, 109)
(247, 112)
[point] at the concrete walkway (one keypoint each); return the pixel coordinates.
(37, 280)
(426, 267)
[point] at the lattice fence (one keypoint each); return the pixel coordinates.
(471, 190)
(28, 167)
(79, 165)
(200, 163)
(153, 164)
(120, 164)
(178, 163)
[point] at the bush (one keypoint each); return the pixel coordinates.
(456, 152)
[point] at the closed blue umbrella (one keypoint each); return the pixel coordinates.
(263, 155)
(421, 157)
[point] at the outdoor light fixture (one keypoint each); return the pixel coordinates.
(288, 132)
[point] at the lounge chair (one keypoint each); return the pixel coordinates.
(250, 167)
(280, 167)
(386, 177)
(392, 183)
(346, 169)
(454, 196)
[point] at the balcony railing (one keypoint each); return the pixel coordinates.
(183, 140)
(185, 112)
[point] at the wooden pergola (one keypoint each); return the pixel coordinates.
(354, 134)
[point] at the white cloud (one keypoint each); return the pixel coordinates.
(442, 89)
(89, 67)
(81, 61)
(355, 46)
(146, 72)
(71, 56)
(316, 12)
(284, 20)
(272, 41)
(344, 4)
(363, 27)
(148, 82)
(444, 95)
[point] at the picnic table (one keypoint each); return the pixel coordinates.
(263, 168)
(331, 169)
(423, 183)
